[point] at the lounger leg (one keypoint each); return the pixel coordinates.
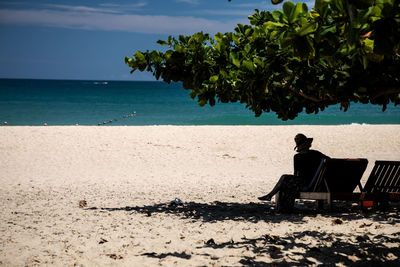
(276, 200)
(329, 201)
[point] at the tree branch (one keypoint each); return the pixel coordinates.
(386, 91)
(312, 98)
(308, 97)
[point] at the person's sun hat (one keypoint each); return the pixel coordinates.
(302, 141)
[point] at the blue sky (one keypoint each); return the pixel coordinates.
(88, 39)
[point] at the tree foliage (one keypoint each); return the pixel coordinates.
(290, 60)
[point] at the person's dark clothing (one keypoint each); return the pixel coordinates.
(288, 192)
(306, 164)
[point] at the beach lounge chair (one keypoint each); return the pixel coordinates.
(336, 179)
(383, 183)
(384, 178)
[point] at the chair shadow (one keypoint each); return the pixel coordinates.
(255, 212)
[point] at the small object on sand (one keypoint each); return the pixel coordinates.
(365, 225)
(148, 213)
(177, 202)
(82, 203)
(210, 242)
(114, 256)
(102, 240)
(337, 221)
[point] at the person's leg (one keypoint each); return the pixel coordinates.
(274, 190)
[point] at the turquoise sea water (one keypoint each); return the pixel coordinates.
(67, 102)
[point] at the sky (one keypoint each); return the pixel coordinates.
(88, 39)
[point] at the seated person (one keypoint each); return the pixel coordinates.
(306, 163)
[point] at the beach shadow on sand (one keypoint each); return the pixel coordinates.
(255, 212)
(297, 249)
(292, 249)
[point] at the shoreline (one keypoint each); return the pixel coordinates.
(210, 125)
(128, 176)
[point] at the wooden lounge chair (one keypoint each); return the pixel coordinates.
(384, 178)
(336, 179)
(383, 184)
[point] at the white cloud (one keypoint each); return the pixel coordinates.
(80, 8)
(95, 20)
(228, 12)
(125, 7)
(192, 2)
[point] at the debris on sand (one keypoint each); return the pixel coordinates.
(114, 256)
(82, 203)
(102, 241)
(337, 221)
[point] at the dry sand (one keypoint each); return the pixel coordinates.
(129, 175)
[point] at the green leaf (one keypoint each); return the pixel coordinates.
(179, 48)
(270, 25)
(139, 56)
(307, 28)
(299, 9)
(368, 45)
(214, 78)
(288, 8)
(219, 37)
(235, 59)
(258, 62)
(202, 102)
(161, 42)
(248, 32)
(128, 61)
(193, 94)
(327, 29)
(277, 15)
(248, 65)
(223, 74)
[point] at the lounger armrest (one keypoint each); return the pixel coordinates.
(315, 178)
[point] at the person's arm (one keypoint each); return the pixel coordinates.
(296, 165)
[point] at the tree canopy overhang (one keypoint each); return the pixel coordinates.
(290, 60)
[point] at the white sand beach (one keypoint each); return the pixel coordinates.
(128, 177)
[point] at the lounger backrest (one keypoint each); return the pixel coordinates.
(384, 177)
(341, 175)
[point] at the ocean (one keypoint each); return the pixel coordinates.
(26, 102)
